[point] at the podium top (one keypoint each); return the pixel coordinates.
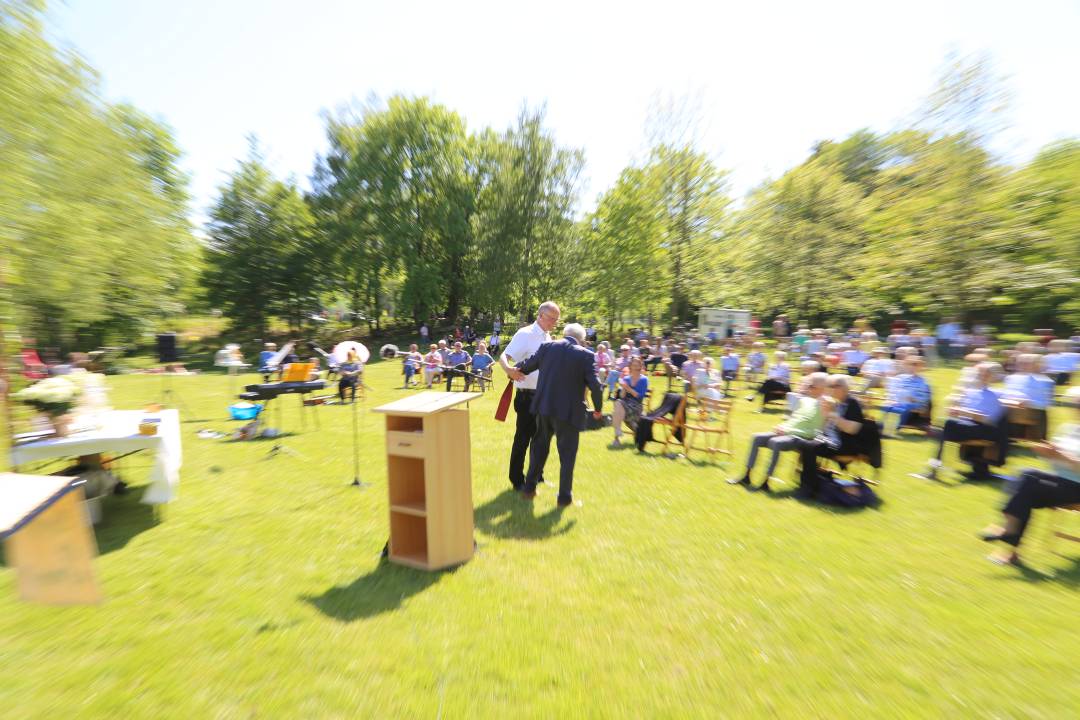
(426, 403)
(24, 497)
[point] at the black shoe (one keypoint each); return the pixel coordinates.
(120, 488)
(564, 502)
(1007, 538)
(744, 480)
(763, 487)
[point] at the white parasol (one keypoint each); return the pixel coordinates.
(341, 351)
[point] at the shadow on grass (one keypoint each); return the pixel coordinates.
(1069, 576)
(508, 515)
(384, 589)
(122, 518)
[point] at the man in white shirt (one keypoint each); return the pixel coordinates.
(521, 347)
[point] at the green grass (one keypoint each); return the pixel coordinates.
(260, 592)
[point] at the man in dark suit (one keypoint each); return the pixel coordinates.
(566, 369)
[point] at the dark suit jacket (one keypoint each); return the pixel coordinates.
(566, 369)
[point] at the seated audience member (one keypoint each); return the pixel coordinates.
(705, 381)
(968, 375)
(620, 364)
(842, 434)
(482, 363)
(631, 401)
(432, 364)
(444, 352)
(1029, 389)
(755, 363)
(412, 364)
(602, 362)
(268, 352)
(854, 358)
(777, 379)
(816, 343)
(877, 369)
(1060, 363)
(1041, 489)
(457, 363)
(729, 366)
(690, 368)
(350, 376)
(906, 395)
(679, 355)
(801, 427)
(976, 416)
(651, 354)
(807, 368)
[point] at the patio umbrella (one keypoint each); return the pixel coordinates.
(341, 351)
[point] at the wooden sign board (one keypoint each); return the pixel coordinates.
(48, 539)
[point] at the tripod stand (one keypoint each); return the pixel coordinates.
(167, 397)
(356, 447)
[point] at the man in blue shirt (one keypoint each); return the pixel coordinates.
(457, 360)
(907, 395)
(977, 416)
(1031, 393)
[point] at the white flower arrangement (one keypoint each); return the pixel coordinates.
(54, 395)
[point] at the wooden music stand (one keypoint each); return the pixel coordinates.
(47, 537)
(429, 479)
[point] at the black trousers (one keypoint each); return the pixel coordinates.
(961, 430)
(523, 435)
(566, 440)
(1040, 489)
(347, 383)
(809, 479)
(772, 387)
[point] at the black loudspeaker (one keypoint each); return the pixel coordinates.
(166, 348)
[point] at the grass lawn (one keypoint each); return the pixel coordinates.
(259, 592)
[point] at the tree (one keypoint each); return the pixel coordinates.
(798, 244)
(258, 260)
(524, 227)
(626, 268)
(92, 200)
(692, 195)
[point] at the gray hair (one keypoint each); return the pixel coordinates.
(548, 307)
(574, 330)
(818, 379)
(842, 380)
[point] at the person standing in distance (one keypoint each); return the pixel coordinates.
(566, 368)
(521, 347)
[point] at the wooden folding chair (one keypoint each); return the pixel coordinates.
(989, 449)
(710, 418)
(1026, 424)
(674, 425)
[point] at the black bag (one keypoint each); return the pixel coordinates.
(597, 423)
(844, 495)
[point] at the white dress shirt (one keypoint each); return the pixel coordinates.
(521, 347)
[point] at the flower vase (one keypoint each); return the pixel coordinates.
(62, 424)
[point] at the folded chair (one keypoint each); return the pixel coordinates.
(711, 418)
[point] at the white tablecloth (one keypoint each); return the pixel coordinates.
(120, 434)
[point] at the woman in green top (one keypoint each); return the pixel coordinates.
(792, 434)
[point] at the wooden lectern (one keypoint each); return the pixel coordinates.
(429, 479)
(47, 537)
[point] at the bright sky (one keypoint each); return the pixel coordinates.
(770, 78)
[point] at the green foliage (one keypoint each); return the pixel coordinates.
(93, 203)
(262, 256)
